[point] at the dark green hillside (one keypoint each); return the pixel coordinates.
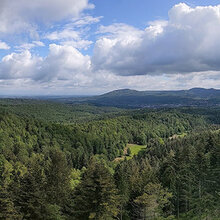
(55, 112)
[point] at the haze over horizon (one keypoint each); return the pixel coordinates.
(40, 95)
(84, 47)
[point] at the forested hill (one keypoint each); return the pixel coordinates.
(127, 98)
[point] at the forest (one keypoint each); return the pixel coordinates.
(57, 162)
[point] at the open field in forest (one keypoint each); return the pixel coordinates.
(135, 149)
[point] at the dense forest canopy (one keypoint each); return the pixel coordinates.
(56, 166)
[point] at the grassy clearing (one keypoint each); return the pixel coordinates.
(135, 149)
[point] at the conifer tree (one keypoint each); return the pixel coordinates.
(96, 197)
(7, 208)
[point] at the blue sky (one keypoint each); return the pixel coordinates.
(138, 12)
(54, 47)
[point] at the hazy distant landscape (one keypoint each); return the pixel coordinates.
(126, 98)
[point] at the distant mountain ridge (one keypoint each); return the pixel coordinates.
(127, 98)
(193, 91)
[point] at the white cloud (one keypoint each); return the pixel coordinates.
(74, 33)
(62, 63)
(19, 65)
(83, 21)
(66, 70)
(28, 46)
(4, 46)
(63, 35)
(38, 43)
(80, 44)
(121, 31)
(23, 15)
(187, 42)
(117, 48)
(70, 38)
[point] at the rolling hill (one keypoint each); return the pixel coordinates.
(126, 98)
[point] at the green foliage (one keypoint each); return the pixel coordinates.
(51, 111)
(75, 178)
(46, 170)
(152, 201)
(98, 185)
(190, 172)
(7, 207)
(129, 151)
(134, 149)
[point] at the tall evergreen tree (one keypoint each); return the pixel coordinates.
(96, 197)
(152, 202)
(7, 208)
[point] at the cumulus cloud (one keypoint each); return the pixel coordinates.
(4, 46)
(19, 65)
(187, 42)
(17, 16)
(62, 63)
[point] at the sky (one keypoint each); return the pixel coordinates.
(87, 47)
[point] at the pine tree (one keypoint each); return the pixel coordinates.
(7, 208)
(153, 200)
(96, 197)
(129, 151)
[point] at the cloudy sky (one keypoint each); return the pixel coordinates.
(75, 47)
